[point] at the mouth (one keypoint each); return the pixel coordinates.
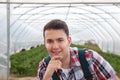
(56, 52)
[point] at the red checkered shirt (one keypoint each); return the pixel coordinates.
(98, 66)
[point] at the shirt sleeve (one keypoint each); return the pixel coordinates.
(41, 70)
(102, 68)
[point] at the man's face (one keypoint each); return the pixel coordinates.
(57, 43)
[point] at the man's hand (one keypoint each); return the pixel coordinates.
(116, 78)
(54, 64)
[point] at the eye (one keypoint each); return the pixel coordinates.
(49, 41)
(60, 40)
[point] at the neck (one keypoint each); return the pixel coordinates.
(66, 62)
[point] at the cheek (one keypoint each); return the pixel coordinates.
(47, 46)
(65, 46)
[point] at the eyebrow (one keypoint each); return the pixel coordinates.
(56, 39)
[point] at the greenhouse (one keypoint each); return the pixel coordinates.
(89, 21)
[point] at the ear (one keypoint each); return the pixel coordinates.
(69, 40)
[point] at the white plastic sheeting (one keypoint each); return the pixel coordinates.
(96, 22)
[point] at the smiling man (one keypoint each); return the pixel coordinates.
(64, 62)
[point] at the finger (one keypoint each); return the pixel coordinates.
(59, 63)
(59, 66)
(57, 58)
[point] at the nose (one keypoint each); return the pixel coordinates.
(55, 45)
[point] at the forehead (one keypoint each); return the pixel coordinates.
(54, 34)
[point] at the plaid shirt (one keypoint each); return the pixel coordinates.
(99, 67)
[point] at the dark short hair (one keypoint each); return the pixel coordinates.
(56, 24)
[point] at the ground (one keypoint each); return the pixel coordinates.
(22, 78)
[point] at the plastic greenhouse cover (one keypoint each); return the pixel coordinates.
(95, 22)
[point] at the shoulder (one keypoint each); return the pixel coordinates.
(41, 69)
(95, 57)
(100, 64)
(92, 54)
(42, 65)
(89, 53)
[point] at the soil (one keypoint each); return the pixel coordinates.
(22, 78)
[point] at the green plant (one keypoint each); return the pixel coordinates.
(26, 63)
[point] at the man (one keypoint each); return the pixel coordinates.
(65, 60)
